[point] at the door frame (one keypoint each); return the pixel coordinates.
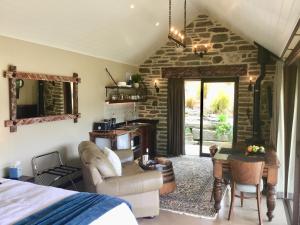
(235, 80)
(296, 200)
(293, 60)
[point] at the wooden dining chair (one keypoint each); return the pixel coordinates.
(246, 178)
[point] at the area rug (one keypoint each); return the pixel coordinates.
(194, 179)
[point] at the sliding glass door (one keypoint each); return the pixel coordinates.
(217, 113)
(292, 136)
(296, 200)
(210, 106)
(192, 117)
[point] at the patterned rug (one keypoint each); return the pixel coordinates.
(194, 179)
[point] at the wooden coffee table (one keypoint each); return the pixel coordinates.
(165, 166)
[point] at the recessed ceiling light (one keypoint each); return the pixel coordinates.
(132, 6)
(157, 24)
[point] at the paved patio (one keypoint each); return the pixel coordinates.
(194, 149)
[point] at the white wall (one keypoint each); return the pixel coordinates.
(35, 139)
(28, 94)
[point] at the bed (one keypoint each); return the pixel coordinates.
(19, 200)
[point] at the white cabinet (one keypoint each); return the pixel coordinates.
(122, 142)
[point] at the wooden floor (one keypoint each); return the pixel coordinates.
(240, 216)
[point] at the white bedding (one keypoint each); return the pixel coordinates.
(21, 199)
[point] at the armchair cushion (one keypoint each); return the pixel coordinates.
(131, 168)
(114, 160)
(125, 155)
(96, 158)
(133, 184)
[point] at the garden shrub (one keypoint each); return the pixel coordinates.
(220, 103)
(223, 127)
(205, 90)
(190, 102)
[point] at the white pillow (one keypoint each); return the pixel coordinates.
(114, 160)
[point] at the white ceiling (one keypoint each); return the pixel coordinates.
(111, 29)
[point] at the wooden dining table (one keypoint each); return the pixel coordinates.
(221, 161)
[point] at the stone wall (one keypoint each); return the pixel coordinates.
(226, 47)
(54, 98)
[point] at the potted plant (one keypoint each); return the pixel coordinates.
(136, 79)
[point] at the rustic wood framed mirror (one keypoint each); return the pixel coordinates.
(38, 98)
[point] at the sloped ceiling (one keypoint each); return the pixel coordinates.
(111, 29)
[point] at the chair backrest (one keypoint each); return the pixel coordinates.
(95, 164)
(213, 150)
(244, 172)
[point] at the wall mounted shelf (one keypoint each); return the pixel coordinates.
(125, 94)
(124, 101)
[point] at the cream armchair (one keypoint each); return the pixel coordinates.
(140, 188)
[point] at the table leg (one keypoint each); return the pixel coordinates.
(217, 193)
(271, 201)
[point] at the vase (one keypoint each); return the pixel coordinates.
(136, 85)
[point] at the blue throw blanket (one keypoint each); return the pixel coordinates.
(80, 209)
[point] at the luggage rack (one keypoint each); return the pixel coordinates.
(49, 169)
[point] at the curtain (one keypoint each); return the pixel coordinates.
(296, 200)
(276, 103)
(290, 78)
(277, 125)
(175, 117)
(291, 169)
(286, 89)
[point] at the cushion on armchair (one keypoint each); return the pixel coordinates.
(114, 160)
(98, 159)
(125, 155)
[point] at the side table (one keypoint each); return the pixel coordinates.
(165, 166)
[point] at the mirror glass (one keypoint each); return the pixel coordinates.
(36, 98)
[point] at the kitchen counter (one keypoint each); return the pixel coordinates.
(138, 123)
(130, 127)
(141, 134)
(107, 134)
